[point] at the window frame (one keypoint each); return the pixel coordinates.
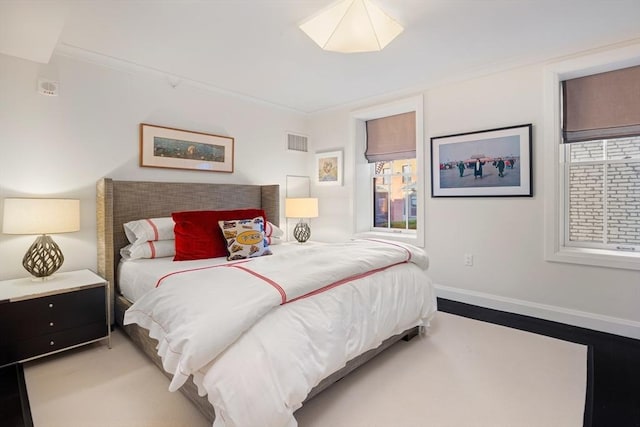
(364, 171)
(556, 248)
(605, 162)
(405, 174)
(406, 206)
(386, 180)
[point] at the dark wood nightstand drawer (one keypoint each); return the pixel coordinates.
(43, 317)
(23, 320)
(51, 342)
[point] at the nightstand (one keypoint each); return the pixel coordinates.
(38, 318)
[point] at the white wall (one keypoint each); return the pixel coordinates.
(60, 146)
(505, 235)
(63, 145)
(335, 222)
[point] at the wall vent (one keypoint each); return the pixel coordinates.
(297, 142)
(48, 87)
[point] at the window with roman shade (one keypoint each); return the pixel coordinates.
(391, 145)
(389, 198)
(391, 138)
(601, 106)
(601, 136)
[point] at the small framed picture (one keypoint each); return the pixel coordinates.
(488, 163)
(163, 147)
(329, 168)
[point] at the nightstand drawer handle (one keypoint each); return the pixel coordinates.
(51, 343)
(51, 305)
(50, 323)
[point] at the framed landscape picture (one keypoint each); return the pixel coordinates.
(488, 163)
(163, 147)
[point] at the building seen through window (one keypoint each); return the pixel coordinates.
(603, 193)
(395, 196)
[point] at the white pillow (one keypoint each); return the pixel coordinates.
(272, 230)
(149, 229)
(149, 249)
(273, 240)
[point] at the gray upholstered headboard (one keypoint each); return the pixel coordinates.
(121, 201)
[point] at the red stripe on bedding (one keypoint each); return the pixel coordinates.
(277, 287)
(343, 281)
(153, 249)
(186, 271)
(154, 228)
(197, 269)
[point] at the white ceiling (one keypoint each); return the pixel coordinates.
(254, 47)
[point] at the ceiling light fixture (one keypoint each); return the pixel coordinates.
(352, 26)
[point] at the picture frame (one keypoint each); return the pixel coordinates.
(488, 163)
(328, 168)
(165, 147)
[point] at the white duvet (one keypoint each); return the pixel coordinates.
(255, 353)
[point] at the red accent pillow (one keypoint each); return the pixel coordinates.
(198, 235)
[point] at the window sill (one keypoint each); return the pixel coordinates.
(596, 258)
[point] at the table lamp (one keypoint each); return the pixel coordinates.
(303, 207)
(41, 216)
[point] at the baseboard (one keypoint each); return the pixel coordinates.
(596, 322)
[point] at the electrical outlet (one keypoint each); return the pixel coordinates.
(468, 260)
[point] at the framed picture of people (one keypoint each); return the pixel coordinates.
(488, 163)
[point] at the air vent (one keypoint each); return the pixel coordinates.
(47, 87)
(297, 142)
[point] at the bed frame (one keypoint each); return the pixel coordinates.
(121, 201)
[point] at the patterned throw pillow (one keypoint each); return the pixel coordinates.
(245, 238)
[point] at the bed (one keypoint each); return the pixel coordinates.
(119, 202)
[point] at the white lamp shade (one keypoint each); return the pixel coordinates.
(302, 207)
(40, 216)
(352, 26)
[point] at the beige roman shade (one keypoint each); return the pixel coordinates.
(602, 106)
(391, 138)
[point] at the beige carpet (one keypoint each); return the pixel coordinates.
(465, 373)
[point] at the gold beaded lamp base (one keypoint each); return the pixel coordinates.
(43, 258)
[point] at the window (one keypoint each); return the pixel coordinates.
(394, 195)
(602, 207)
(389, 187)
(592, 160)
(391, 145)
